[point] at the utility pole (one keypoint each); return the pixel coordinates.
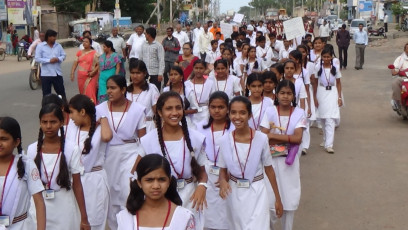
(158, 14)
(171, 13)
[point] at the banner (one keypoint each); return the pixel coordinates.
(226, 30)
(19, 12)
(294, 28)
(238, 18)
(3, 10)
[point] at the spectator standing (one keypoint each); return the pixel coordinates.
(153, 55)
(50, 55)
(171, 48)
(135, 42)
(36, 42)
(204, 41)
(36, 34)
(95, 45)
(216, 29)
(324, 30)
(196, 36)
(386, 22)
(14, 40)
(120, 47)
(9, 43)
(189, 33)
(261, 27)
(181, 37)
(251, 35)
(343, 42)
(360, 37)
(400, 74)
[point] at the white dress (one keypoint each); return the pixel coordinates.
(230, 86)
(247, 207)
(18, 192)
(62, 212)
(182, 219)
(201, 93)
(328, 99)
(148, 99)
(258, 111)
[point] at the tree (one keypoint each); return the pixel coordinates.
(245, 10)
(262, 5)
(398, 10)
(139, 10)
(72, 6)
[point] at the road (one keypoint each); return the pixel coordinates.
(361, 186)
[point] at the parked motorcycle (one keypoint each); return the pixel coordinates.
(404, 25)
(22, 50)
(377, 32)
(402, 109)
(101, 37)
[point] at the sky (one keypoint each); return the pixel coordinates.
(232, 4)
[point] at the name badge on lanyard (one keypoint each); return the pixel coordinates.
(181, 183)
(214, 170)
(328, 87)
(49, 194)
(5, 220)
(242, 183)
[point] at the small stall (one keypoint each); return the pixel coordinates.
(81, 25)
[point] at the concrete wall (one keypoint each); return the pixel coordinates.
(57, 22)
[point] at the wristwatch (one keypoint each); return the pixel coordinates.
(203, 184)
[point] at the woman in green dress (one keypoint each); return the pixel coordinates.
(109, 63)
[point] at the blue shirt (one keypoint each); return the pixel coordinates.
(43, 55)
(360, 37)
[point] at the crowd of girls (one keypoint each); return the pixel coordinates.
(217, 151)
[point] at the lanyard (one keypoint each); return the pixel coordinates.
(212, 134)
(4, 184)
(66, 129)
(280, 124)
(327, 78)
(225, 86)
(256, 126)
(195, 93)
(165, 221)
(236, 152)
(45, 169)
(137, 98)
(123, 114)
(179, 176)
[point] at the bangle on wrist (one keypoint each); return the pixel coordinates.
(203, 184)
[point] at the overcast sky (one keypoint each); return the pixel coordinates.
(232, 4)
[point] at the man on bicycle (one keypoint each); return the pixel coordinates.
(31, 49)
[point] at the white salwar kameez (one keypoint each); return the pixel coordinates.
(201, 93)
(230, 86)
(258, 111)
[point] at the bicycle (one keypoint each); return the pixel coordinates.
(34, 77)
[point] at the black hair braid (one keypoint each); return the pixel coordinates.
(276, 101)
(256, 65)
(63, 178)
(294, 101)
(88, 141)
(186, 102)
(319, 73)
(172, 193)
(135, 199)
(208, 125)
(195, 167)
(20, 163)
(247, 67)
(160, 135)
(333, 68)
(246, 92)
(38, 158)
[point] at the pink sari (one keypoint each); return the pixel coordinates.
(86, 62)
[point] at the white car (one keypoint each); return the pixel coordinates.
(354, 25)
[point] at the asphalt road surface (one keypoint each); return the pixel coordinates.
(362, 186)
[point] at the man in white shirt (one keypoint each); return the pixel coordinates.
(251, 35)
(96, 46)
(36, 34)
(196, 36)
(262, 51)
(204, 41)
(31, 49)
(284, 53)
(136, 42)
(181, 37)
(118, 43)
(400, 65)
(386, 22)
(324, 30)
(261, 27)
(212, 55)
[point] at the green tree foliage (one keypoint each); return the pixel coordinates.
(245, 10)
(262, 5)
(139, 10)
(72, 6)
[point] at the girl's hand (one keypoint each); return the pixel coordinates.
(279, 208)
(309, 112)
(340, 101)
(198, 198)
(316, 103)
(225, 189)
(85, 225)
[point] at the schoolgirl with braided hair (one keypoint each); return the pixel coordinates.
(300, 91)
(20, 180)
(223, 81)
(328, 97)
(183, 147)
(59, 163)
(213, 129)
(91, 136)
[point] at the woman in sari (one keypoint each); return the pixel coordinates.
(186, 61)
(109, 63)
(87, 60)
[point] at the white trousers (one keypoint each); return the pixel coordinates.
(286, 219)
(329, 124)
(306, 136)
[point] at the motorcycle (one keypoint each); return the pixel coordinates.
(22, 50)
(101, 37)
(378, 32)
(404, 25)
(34, 77)
(402, 109)
(78, 39)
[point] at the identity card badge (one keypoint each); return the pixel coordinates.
(214, 170)
(243, 183)
(181, 183)
(49, 194)
(5, 220)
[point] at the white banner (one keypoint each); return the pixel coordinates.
(294, 28)
(226, 30)
(238, 18)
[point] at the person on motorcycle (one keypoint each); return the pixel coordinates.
(32, 47)
(400, 71)
(95, 45)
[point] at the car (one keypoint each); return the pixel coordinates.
(355, 24)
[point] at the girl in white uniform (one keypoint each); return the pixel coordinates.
(300, 90)
(217, 126)
(184, 148)
(60, 169)
(202, 88)
(141, 91)
(224, 81)
(270, 83)
(315, 53)
(328, 97)
(241, 61)
(254, 65)
(284, 125)
(126, 120)
(177, 84)
(153, 202)
(19, 181)
(91, 139)
(234, 69)
(259, 103)
(245, 154)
